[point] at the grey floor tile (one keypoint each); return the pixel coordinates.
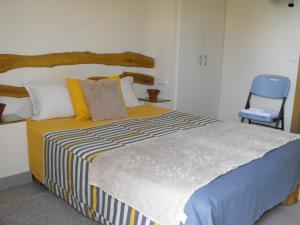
(1, 201)
(281, 215)
(293, 210)
(20, 192)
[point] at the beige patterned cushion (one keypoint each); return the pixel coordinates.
(104, 99)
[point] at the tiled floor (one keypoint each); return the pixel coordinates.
(21, 191)
(280, 215)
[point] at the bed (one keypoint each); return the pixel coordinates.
(62, 152)
(241, 195)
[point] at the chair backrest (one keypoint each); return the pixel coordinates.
(271, 86)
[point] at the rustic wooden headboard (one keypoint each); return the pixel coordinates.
(127, 59)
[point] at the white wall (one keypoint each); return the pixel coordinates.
(260, 38)
(34, 26)
(166, 46)
(37, 27)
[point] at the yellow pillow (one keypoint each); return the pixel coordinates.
(78, 100)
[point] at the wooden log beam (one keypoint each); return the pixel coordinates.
(138, 78)
(128, 59)
(12, 91)
(21, 92)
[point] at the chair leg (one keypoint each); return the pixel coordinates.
(277, 123)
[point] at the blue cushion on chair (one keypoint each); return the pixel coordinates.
(247, 114)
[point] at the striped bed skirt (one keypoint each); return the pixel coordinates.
(101, 207)
(68, 154)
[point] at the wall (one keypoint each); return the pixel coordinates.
(167, 22)
(33, 26)
(38, 27)
(261, 37)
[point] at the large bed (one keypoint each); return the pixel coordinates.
(248, 169)
(238, 197)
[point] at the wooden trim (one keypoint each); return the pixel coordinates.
(128, 59)
(295, 126)
(12, 91)
(158, 100)
(138, 78)
(11, 118)
(21, 92)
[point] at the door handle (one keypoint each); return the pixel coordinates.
(205, 60)
(200, 60)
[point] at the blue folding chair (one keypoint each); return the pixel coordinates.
(267, 86)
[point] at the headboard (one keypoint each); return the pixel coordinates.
(127, 59)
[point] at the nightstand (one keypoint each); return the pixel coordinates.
(13, 146)
(160, 102)
(11, 118)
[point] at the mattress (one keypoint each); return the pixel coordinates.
(249, 190)
(37, 129)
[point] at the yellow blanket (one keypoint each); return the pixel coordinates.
(37, 129)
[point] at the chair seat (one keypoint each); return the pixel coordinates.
(258, 115)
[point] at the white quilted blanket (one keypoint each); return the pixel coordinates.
(158, 176)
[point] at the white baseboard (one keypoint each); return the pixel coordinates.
(15, 180)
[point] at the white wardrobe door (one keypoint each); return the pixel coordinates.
(213, 45)
(190, 72)
(201, 39)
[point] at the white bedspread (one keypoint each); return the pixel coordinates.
(158, 176)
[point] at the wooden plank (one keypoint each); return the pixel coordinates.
(138, 78)
(11, 118)
(295, 126)
(128, 59)
(21, 92)
(12, 91)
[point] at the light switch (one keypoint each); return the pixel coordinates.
(292, 58)
(161, 80)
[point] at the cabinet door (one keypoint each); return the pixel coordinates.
(201, 36)
(213, 43)
(190, 72)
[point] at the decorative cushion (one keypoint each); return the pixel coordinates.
(78, 101)
(80, 106)
(49, 100)
(104, 99)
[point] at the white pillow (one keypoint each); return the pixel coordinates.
(128, 93)
(49, 100)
